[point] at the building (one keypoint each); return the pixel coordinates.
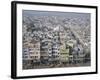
(31, 52)
(70, 45)
(56, 47)
(25, 52)
(44, 51)
(62, 35)
(64, 55)
(78, 54)
(64, 51)
(50, 50)
(55, 53)
(46, 48)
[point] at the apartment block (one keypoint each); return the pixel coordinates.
(31, 51)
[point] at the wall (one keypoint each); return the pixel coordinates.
(5, 40)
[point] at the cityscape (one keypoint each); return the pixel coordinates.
(55, 39)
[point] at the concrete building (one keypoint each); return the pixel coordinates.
(64, 51)
(55, 53)
(31, 52)
(78, 53)
(56, 47)
(46, 49)
(64, 55)
(62, 35)
(70, 45)
(50, 54)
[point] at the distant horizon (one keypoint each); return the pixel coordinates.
(55, 13)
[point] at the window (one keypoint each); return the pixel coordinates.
(38, 49)
(24, 50)
(34, 46)
(36, 56)
(30, 49)
(25, 56)
(31, 53)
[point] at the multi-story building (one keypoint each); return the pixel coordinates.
(46, 48)
(50, 51)
(81, 54)
(77, 52)
(25, 52)
(44, 51)
(64, 55)
(56, 48)
(70, 45)
(64, 51)
(62, 35)
(55, 53)
(31, 52)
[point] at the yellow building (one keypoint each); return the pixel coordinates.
(64, 55)
(71, 43)
(64, 51)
